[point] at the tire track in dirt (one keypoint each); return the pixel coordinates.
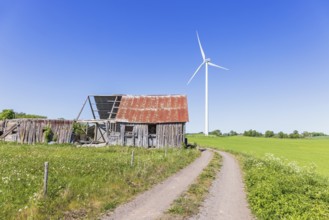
(227, 198)
(154, 202)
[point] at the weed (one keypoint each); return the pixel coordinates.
(189, 202)
(278, 189)
(83, 182)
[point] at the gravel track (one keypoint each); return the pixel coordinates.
(226, 199)
(154, 202)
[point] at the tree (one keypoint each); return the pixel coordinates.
(252, 133)
(306, 134)
(24, 115)
(317, 134)
(282, 135)
(10, 114)
(295, 134)
(247, 133)
(233, 133)
(216, 133)
(7, 114)
(269, 134)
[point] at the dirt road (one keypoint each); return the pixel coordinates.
(226, 199)
(152, 203)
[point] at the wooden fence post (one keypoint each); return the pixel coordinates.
(45, 180)
(132, 159)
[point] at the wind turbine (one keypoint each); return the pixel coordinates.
(206, 62)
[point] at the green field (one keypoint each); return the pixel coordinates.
(277, 187)
(303, 151)
(83, 182)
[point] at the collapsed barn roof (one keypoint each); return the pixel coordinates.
(143, 108)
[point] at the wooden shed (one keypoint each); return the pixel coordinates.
(143, 120)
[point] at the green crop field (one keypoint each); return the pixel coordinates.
(303, 151)
(281, 179)
(83, 182)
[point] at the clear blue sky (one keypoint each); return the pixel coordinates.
(54, 53)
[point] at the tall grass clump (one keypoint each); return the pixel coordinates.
(279, 189)
(83, 182)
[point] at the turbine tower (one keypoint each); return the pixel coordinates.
(206, 62)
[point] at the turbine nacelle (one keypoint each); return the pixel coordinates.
(207, 60)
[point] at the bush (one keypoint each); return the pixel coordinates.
(7, 114)
(216, 133)
(278, 189)
(24, 115)
(282, 135)
(79, 128)
(233, 133)
(295, 134)
(10, 114)
(252, 133)
(48, 134)
(318, 134)
(269, 134)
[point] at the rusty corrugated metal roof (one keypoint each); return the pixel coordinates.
(153, 109)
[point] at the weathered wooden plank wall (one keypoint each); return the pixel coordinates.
(167, 135)
(2, 125)
(140, 132)
(31, 131)
(170, 135)
(122, 134)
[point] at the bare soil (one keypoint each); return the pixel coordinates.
(152, 203)
(227, 198)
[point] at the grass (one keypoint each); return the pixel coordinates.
(279, 189)
(277, 186)
(83, 182)
(189, 202)
(304, 151)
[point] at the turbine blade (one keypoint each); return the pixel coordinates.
(197, 70)
(211, 64)
(202, 53)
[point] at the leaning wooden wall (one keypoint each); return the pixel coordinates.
(31, 131)
(2, 124)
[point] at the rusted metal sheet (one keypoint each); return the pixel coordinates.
(153, 109)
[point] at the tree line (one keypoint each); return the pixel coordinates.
(219, 133)
(295, 134)
(269, 134)
(11, 114)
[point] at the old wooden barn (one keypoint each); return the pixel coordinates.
(143, 121)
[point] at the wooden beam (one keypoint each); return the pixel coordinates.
(100, 131)
(110, 115)
(83, 106)
(91, 107)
